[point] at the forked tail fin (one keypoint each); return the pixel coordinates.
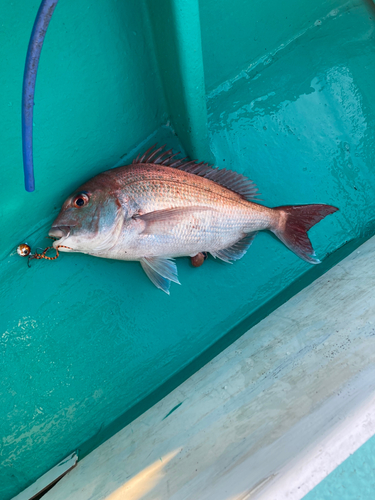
(294, 223)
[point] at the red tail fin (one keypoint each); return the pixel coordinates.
(294, 223)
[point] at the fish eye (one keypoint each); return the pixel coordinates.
(80, 200)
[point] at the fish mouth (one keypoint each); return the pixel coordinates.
(59, 232)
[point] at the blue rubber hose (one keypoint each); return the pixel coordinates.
(31, 67)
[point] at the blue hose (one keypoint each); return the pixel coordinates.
(31, 67)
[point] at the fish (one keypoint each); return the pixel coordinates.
(161, 207)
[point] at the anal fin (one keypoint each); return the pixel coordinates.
(161, 271)
(236, 251)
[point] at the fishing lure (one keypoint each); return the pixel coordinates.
(43, 255)
(24, 250)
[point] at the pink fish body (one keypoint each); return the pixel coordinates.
(159, 208)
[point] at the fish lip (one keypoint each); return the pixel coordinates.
(59, 232)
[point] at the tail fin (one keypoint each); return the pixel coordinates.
(294, 223)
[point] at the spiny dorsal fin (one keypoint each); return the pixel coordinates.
(227, 178)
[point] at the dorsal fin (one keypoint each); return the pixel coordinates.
(227, 178)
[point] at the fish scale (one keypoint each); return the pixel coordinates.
(159, 208)
(157, 191)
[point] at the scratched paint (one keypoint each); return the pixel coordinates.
(85, 340)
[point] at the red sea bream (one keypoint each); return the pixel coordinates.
(159, 208)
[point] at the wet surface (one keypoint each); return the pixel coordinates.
(88, 338)
(301, 124)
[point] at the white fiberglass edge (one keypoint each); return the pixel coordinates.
(48, 478)
(267, 419)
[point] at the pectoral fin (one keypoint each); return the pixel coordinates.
(162, 221)
(161, 271)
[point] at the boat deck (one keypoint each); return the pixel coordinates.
(276, 411)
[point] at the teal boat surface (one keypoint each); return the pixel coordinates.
(281, 92)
